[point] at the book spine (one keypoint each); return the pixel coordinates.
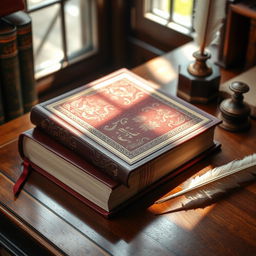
(22, 21)
(58, 130)
(26, 60)
(10, 74)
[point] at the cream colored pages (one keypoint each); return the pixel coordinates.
(248, 77)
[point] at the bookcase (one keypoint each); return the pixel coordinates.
(239, 44)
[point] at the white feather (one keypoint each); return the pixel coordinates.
(218, 180)
(209, 16)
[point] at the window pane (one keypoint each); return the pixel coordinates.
(161, 8)
(62, 35)
(79, 26)
(33, 3)
(47, 38)
(182, 12)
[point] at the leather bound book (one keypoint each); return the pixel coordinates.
(22, 21)
(10, 72)
(86, 182)
(126, 128)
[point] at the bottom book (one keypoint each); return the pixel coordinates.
(70, 171)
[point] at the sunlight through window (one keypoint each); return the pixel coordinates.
(178, 14)
(63, 32)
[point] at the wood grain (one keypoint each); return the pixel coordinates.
(10, 130)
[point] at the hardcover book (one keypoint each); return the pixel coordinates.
(23, 23)
(70, 171)
(126, 128)
(10, 72)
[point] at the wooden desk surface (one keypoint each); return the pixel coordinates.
(63, 225)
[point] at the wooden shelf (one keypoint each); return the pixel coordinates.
(239, 49)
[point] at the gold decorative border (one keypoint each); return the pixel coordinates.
(112, 145)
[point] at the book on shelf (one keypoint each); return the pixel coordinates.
(9, 71)
(83, 180)
(23, 24)
(126, 128)
(10, 6)
(248, 77)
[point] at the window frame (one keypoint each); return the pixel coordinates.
(67, 58)
(85, 69)
(149, 30)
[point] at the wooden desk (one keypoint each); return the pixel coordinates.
(50, 221)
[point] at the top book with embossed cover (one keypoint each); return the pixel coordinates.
(128, 129)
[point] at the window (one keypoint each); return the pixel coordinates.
(64, 31)
(166, 24)
(176, 14)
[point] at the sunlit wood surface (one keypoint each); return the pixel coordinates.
(63, 225)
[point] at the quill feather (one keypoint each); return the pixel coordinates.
(209, 16)
(218, 180)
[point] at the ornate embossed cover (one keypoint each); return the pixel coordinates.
(125, 119)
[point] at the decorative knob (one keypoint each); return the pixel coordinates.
(234, 111)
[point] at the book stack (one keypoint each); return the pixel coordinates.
(17, 82)
(112, 140)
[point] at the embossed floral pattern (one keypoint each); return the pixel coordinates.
(123, 92)
(89, 108)
(126, 118)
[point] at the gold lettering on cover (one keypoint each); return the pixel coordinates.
(126, 134)
(115, 124)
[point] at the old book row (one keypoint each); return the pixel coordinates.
(17, 82)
